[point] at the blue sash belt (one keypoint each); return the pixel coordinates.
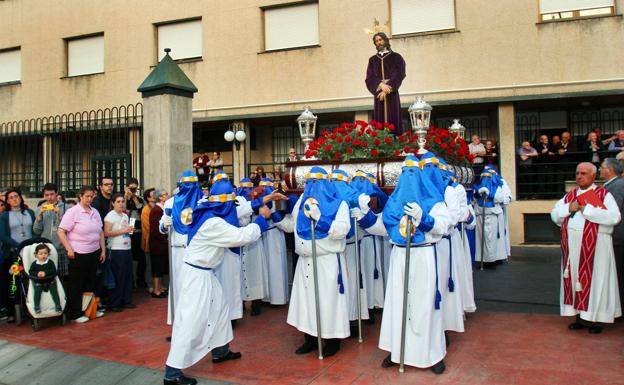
(198, 267)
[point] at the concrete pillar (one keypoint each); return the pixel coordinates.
(167, 139)
(362, 115)
(240, 155)
(167, 124)
(507, 144)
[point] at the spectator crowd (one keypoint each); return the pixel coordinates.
(105, 242)
(544, 167)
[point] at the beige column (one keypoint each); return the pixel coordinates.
(240, 155)
(507, 153)
(167, 139)
(362, 115)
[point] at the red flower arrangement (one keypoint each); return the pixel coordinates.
(359, 140)
(362, 140)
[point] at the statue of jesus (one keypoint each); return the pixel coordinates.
(385, 72)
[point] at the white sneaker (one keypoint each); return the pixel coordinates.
(81, 320)
(99, 314)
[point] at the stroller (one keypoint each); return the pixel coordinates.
(26, 295)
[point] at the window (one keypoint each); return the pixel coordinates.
(574, 9)
(416, 16)
(184, 38)
(85, 55)
(10, 65)
(291, 26)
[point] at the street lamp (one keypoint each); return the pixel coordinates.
(420, 114)
(236, 133)
(307, 127)
(457, 128)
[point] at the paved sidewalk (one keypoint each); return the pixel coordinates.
(27, 365)
(515, 337)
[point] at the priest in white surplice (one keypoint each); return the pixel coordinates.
(589, 286)
(331, 216)
(418, 197)
(202, 319)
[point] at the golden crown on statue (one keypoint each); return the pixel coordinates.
(378, 27)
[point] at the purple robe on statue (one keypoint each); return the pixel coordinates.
(390, 67)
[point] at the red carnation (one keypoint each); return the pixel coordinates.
(357, 142)
(308, 154)
(360, 133)
(378, 125)
(368, 131)
(325, 133)
(377, 142)
(364, 144)
(322, 140)
(391, 127)
(341, 130)
(387, 140)
(406, 149)
(444, 146)
(374, 152)
(350, 129)
(339, 139)
(437, 140)
(347, 138)
(328, 147)
(332, 136)
(349, 150)
(397, 152)
(374, 134)
(337, 155)
(449, 151)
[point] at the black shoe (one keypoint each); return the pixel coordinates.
(255, 307)
(168, 339)
(332, 346)
(595, 329)
(307, 347)
(447, 340)
(576, 326)
(116, 309)
(387, 362)
(230, 356)
(233, 322)
(184, 380)
(130, 306)
(371, 318)
(439, 367)
(310, 345)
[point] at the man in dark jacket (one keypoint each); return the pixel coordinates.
(102, 202)
(611, 171)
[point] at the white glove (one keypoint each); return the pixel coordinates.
(363, 201)
(315, 212)
(484, 191)
(167, 221)
(357, 214)
(414, 211)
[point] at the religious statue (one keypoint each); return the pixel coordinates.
(385, 72)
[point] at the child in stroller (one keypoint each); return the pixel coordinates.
(42, 274)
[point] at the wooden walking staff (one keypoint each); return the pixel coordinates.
(306, 210)
(409, 230)
(359, 279)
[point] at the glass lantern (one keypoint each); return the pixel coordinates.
(307, 127)
(420, 114)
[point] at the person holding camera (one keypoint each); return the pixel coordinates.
(47, 218)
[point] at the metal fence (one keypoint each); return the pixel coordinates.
(72, 150)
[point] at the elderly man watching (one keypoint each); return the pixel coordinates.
(618, 143)
(587, 216)
(611, 172)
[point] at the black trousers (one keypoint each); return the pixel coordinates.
(139, 256)
(82, 271)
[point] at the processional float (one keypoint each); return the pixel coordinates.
(450, 145)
